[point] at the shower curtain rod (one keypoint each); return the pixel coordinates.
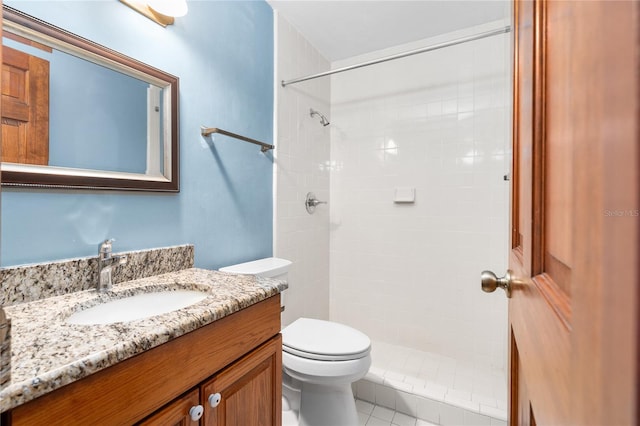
(401, 55)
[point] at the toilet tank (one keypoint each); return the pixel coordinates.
(270, 267)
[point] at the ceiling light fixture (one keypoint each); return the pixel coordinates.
(161, 12)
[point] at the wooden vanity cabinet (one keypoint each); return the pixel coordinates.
(247, 393)
(250, 390)
(238, 356)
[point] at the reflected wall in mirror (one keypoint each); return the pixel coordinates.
(76, 114)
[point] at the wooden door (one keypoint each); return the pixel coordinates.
(573, 314)
(250, 390)
(176, 413)
(25, 108)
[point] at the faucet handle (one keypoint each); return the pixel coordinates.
(105, 246)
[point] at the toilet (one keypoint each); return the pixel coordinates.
(320, 361)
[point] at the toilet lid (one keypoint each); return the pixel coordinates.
(268, 267)
(324, 340)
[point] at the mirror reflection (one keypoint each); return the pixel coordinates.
(68, 113)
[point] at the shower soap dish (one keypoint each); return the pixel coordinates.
(405, 195)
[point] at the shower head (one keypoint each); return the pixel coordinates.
(323, 119)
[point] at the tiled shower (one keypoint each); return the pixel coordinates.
(302, 165)
(407, 274)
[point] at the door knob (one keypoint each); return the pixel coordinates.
(490, 282)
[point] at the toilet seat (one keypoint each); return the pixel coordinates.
(321, 357)
(324, 341)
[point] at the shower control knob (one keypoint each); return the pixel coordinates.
(490, 282)
(196, 412)
(311, 202)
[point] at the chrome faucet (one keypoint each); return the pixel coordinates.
(105, 262)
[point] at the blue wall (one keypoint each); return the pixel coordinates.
(222, 51)
(107, 100)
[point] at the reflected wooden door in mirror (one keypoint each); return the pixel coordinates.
(52, 79)
(25, 106)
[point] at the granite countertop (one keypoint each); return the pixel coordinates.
(48, 353)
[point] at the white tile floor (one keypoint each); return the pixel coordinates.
(375, 415)
(433, 387)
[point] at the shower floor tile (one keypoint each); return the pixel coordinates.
(433, 387)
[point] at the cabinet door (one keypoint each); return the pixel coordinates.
(175, 413)
(250, 390)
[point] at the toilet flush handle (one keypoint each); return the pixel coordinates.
(214, 399)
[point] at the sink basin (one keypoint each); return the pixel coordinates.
(136, 307)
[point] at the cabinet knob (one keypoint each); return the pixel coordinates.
(214, 399)
(195, 412)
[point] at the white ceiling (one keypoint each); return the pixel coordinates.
(341, 29)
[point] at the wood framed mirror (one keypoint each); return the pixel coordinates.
(76, 114)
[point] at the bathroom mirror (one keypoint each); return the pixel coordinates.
(76, 114)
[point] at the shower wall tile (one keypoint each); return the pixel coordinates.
(409, 273)
(302, 164)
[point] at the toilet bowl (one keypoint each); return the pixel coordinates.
(320, 361)
(324, 358)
